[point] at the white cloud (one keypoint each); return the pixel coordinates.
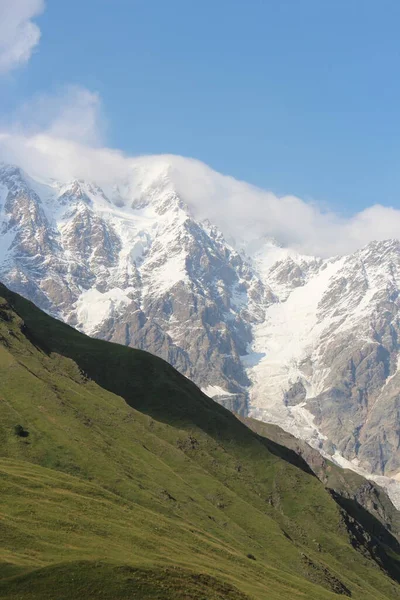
(246, 212)
(18, 34)
(71, 113)
(61, 139)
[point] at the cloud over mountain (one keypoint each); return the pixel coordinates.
(61, 137)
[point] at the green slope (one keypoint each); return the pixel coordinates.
(124, 480)
(359, 495)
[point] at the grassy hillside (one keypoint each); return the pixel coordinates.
(350, 488)
(120, 479)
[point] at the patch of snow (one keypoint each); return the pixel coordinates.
(296, 420)
(94, 307)
(252, 359)
(215, 391)
(161, 279)
(390, 484)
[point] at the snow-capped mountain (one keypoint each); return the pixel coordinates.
(308, 343)
(134, 267)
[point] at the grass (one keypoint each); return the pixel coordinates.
(128, 480)
(105, 581)
(345, 484)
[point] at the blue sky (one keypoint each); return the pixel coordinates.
(296, 96)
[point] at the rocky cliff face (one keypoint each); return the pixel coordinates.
(307, 343)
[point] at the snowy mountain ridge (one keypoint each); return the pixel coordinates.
(305, 342)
